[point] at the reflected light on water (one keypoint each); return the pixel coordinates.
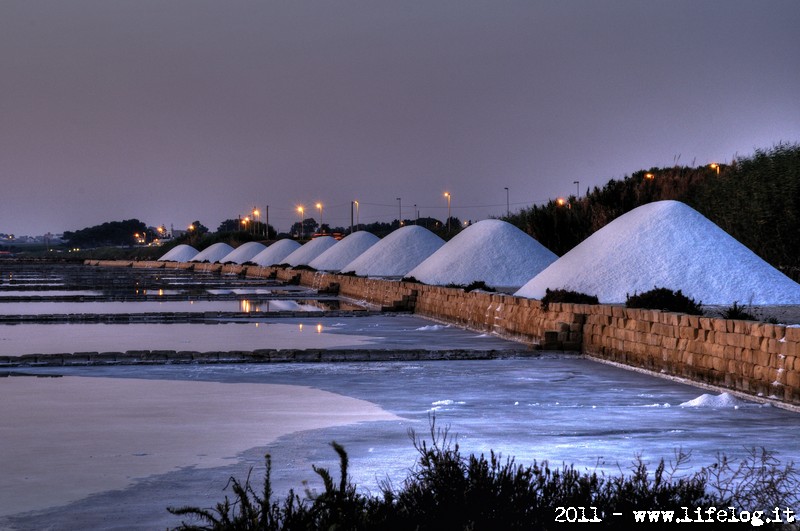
(319, 328)
(300, 326)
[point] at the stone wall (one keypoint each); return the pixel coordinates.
(757, 359)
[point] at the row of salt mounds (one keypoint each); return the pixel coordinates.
(310, 250)
(492, 251)
(344, 252)
(213, 253)
(396, 254)
(179, 253)
(244, 253)
(275, 253)
(665, 244)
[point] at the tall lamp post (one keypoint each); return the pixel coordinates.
(301, 231)
(399, 212)
(357, 220)
(508, 205)
(319, 207)
(447, 195)
(577, 188)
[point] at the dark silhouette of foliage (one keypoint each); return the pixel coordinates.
(664, 299)
(108, 234)
(447, 490)
(564, 295)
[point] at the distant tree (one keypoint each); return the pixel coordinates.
(108, 234)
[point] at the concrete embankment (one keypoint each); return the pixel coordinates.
(162, 357)
(753, 358)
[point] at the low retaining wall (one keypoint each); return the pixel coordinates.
(757, 359)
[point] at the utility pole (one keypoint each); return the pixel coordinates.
(508, 205)
(577, 188)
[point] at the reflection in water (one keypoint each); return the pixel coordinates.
(319, 328)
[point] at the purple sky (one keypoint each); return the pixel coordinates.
(176, 110)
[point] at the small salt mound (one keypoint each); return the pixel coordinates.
(308, 251)
(396, 254)
(180, 253)
(665, 244)
(213, 253)
(344, 252)
(492, 251)
(722, 400)
(275, 253)
(244, 253)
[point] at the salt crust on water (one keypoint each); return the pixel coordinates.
(213, 253)
(344, 252)
(396, 254)
(721, 400)
(275, 253)
(310, 250)
(180, 253)
(665, 244)
(243, 253)
(493, 251)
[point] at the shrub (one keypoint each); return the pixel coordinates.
(410, 279)
(666, 300)
(446, 490)
(737, 312)
(476, 285)
(564, 295)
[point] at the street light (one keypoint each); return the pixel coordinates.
(714, 166)
(399, 212)
(649, 176)
(319, 206)
(577, 188)
(300, 231)
(357, 210)
(447, 195)
(508, 205)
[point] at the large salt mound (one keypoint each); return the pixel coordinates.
(180, 253)
(344, 252)
(275, 253)
(243, 253)
(665, 244)
(492, 251)
(396, 254)
(213, 253)
(310, 250)
(721, 400)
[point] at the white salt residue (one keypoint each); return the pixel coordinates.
(442, 403)
(213, 253)
(665, 244)
(492, 251)
(721, 400)
(344, 252)
(396, 254)
(275, 253)
(309, 251)
(243, 253)
(429, 328)
(180, 253)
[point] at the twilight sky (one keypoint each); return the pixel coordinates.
(175, 110)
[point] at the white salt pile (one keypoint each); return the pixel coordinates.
(396, 254)
(275, 253)
(665, 244)
(308, 251)
(213, 253)
(344, 252)
(243, 253)
(179, 253)
(492, 251)
(721, 400)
